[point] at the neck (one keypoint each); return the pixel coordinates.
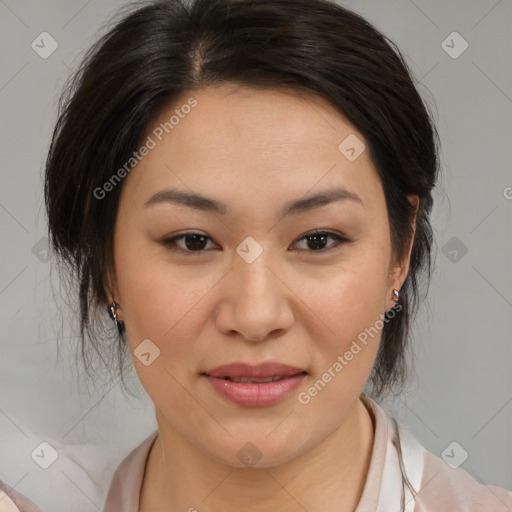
(180, 477)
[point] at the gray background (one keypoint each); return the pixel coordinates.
(462, 387)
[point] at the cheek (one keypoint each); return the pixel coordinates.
(162, 304)
(349, 304)
(156, 305)
(157, 308)
(345, 353)
(353, 315)
(147, 297)
(351, 297)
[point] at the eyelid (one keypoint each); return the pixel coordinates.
(170, 243)
(340, 240)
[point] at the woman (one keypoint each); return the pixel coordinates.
(245, 187)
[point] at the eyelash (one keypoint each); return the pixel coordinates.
(170, 243)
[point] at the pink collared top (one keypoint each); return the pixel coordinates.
(435, 485)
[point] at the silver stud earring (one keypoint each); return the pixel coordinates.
(111, 308)
(396, 295)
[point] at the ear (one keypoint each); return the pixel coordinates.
(398, 270)
(111, 289)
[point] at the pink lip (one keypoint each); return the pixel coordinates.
(259, 371)
(253, 394)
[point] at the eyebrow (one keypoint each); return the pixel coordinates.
(206, 204)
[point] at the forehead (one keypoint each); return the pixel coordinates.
(257, 115)
(254, 138)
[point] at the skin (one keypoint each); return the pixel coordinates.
(255, 150)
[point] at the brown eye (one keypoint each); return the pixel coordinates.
(317, 240)
(193, 242)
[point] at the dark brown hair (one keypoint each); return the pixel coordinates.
(161, 49)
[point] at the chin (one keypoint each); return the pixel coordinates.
(258, 451)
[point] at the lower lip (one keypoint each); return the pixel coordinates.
(255, 394)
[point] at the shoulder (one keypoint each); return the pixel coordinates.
(426, 481)
(126, 482)
(440, 486)
(446, 486)
(13, 501)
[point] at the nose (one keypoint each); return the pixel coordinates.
(256, 302)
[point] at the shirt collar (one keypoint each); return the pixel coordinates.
(382, 490)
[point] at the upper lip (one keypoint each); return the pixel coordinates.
(260, 371)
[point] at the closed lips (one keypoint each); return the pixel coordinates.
(260, 373)
(250, 385)
(262, 380)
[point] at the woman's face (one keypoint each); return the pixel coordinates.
(250, 286)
